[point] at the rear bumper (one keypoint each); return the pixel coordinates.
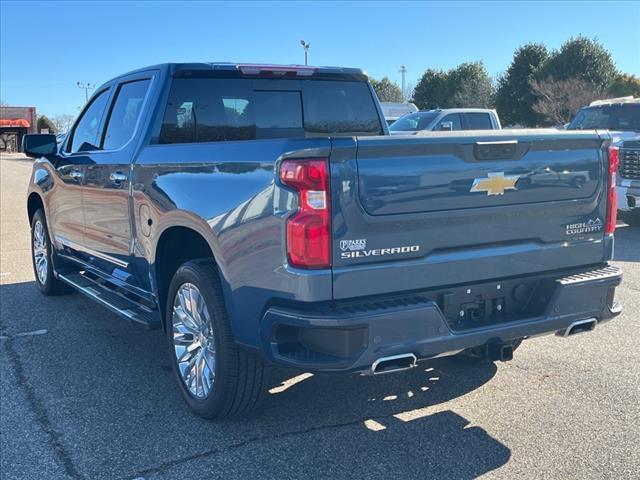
(350, 337)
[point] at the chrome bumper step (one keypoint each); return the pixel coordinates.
(116, 302)
(604, 273)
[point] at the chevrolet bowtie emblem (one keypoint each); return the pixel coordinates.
(495, 183)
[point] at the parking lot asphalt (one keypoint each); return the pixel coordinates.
(84, 394)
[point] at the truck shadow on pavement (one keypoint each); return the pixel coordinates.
(106, 392)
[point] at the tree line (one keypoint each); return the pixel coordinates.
(57, 124)
(540, 87)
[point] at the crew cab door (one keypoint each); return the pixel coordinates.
(66, 204)
(108, 226)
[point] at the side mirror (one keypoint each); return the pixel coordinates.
(446, 126)
(36, 146)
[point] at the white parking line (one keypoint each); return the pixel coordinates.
(25, 334)
(31, 334)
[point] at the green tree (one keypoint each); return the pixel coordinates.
(387, 90)
(624, 85)
(582, 58)
(514, 96)
(467, 85)
(45, 122)
(433, 90)
(471, 86)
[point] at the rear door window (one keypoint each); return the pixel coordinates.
(215, 109)
(125, 113)
(477, 121)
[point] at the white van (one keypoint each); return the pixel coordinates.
(393, 110)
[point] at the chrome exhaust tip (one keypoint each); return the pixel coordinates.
(580, 326)
(395, 363)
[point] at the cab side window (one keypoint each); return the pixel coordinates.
(478, 121)
(125, 113)
(84, 137)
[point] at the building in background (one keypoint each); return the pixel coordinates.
(15, 122)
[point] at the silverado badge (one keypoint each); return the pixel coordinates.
(495, 183)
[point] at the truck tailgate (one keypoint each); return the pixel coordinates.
(455, 208)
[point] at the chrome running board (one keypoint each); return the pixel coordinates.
(111, 298)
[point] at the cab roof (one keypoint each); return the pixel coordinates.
(614, 101)
(213, 69)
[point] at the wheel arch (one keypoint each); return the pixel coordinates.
(175, 245)
(34, 203)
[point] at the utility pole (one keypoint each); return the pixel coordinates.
(306, 46)
(86, 87)
(403, 71)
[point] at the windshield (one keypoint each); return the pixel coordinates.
(611, 117)
(413, 121)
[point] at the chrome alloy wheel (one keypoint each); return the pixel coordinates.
(40, 257)
(193, 341)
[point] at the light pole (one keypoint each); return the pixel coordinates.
(403, 71)
(86, 87)
(306, 46)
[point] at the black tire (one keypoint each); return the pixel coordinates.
(48, 284)
(239, 378)
(631, 219)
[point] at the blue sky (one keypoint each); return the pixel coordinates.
(45, 47)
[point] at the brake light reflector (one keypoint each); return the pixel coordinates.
(277, 70)
(309, 229)
(612, 207)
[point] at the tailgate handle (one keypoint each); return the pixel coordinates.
(502, 150)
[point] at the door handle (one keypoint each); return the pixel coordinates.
(76, 174)
(118, 177)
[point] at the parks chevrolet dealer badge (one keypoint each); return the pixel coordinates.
(357, 249)
(495, 183)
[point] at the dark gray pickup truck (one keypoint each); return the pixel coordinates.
(263, 214)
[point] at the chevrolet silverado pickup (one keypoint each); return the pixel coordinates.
(263, 214)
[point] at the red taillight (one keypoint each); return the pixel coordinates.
(612, 207)
(309, 229)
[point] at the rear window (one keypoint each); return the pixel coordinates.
(214, 109)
